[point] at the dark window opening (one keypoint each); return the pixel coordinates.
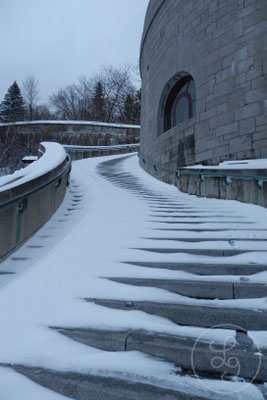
(181, 103)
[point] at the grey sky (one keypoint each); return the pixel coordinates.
(59, 40)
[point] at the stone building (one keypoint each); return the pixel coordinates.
(204, 81)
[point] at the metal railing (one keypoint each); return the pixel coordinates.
(100, 148)
(227, 176)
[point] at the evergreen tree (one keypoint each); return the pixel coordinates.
(12, 107)
(137, 107)
(98, 102)
(132, 106)
(129, 109)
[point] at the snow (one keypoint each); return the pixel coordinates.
(82, 245)
(117, 146)
(53, 157)
(14, 386)
(69, 122)
(260, 163)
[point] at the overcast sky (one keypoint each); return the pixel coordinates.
(59, 40)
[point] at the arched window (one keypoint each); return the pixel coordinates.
(181, 103)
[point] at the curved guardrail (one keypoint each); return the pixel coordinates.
(202, 173)
(26, 204)
(214, 187)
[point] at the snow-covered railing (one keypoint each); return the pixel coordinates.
(71, 122)
(79, 152)
(233, 181)
(31, 195)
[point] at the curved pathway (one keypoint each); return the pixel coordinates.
(134, 290)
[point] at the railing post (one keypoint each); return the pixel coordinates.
(202, 185)
(57, 184)
(20, 210)
(228, 181)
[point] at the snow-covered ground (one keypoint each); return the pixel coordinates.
(98, 226)
(260, 163)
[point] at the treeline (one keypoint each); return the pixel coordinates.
(110, 96)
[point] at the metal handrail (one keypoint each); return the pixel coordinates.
(100, 148)
(37, 189)
(204, 173)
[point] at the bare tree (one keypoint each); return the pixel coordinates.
(42, 112)
(66, 102)
(105, 96)
(30, 90)
(117, 84)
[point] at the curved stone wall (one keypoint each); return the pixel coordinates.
(220, 43)
(31, 195)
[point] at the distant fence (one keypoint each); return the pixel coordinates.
(31, 195)
(80, 152)
(248, 186)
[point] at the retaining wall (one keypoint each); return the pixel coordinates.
(228, 184)
(22, 138)
(31, 195)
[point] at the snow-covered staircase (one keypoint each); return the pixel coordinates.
(220, 296)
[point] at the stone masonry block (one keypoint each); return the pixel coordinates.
(247, 10)
(221, 151)
(236, 99)
(240, 143)
(263, 152)
(222, 108)
(221, 119)
(213, 7)
(202, 130)
(250, 110)
(204, 156)
(255, 95)
(224, 74)
(259, 144)
(259, 135)
(254, 72)
(241, 54)
(228, 128)
(224, 87)
(259, 82)
(243, 66)
(238, 29)
(247, 125)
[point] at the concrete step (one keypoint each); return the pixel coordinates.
(189, 353)
(205, 252)
(202, 289)
(159, 221)
(203, 269)
(193, 314)
(82, 386)
(199, 230)
(231, 240)
(194, 215)
(165, 203)
(6, 273)
(186, 210)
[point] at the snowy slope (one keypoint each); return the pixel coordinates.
(98, 226)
